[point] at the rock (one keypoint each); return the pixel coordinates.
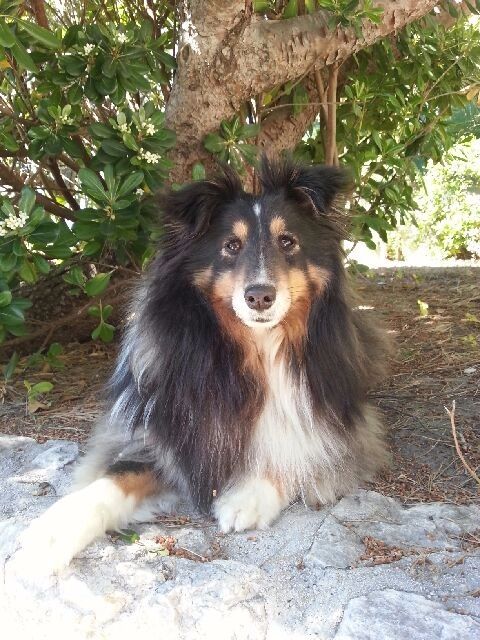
(398, 615)
(309, 576)
(335, 546)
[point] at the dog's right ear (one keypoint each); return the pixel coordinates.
(189, 211)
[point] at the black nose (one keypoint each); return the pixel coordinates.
(260, 296)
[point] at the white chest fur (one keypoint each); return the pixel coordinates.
(290, 442)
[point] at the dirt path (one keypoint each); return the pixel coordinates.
(437, 361)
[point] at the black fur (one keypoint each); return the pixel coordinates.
(195, 398)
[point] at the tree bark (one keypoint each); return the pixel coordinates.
(227, 55)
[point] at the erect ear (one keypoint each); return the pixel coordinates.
(317, 185)
(189, 211)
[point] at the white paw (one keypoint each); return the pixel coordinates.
(51, 541)
(254, 504)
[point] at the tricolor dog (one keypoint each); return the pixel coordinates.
(243, 375)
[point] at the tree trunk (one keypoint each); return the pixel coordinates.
(228, 55)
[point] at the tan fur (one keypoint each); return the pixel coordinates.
(240, 229)
(139, 485)
(295, 322)
(223, 286)
(233, 327)
(279, 485)
(277, 226)
(318, 277)
(203, 279)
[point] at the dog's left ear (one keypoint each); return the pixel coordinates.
(317, 185)
(189, 211)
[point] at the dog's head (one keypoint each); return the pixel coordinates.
(263, 257)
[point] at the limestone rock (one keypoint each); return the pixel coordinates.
(309, 576)
(398, 615)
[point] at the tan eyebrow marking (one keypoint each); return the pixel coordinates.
(277, 226)
(240, 229)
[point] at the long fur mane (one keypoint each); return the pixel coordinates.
(182, 377)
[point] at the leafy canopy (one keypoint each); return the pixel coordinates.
(83, 142)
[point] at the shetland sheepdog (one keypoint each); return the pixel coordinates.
(243, 374)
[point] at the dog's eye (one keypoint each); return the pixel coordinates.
(233, 246)
(286, 242)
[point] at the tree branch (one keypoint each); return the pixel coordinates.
(61, 183)
(288, 48)
(237, 56)
(38, 7)
(7, 176)
(331, 143)
(281, 129)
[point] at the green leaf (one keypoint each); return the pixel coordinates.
(8, 209)
(213, 143)
(92, 185)
(5, 298)
(377, 139)
(86, 230)
(129, 141)
(299, 98)
(249, 130)
(92, 248)
(114, 148)
(10, 367)
(94, 311)
(97, 284)
(107, 311)
(130, 183)
(129, 536)
(11, 315)
(27, 200)
(104, 331)
(260, 6)
(41, 264)
(41, 35)
(100, 130)
(7, 39)
(8, 262)
(28, 272)
(76, 277)
(168, 60)
(40, 387)
(291, 10)
(198, 171)
(75, 94)
(109, 176)
(55, 349)
(8, 141)
(248, 152)
(23, 58)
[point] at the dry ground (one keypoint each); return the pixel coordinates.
(437, 361)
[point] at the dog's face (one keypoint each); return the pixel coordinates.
(264, 258)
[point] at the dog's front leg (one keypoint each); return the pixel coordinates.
(67, 527)
(251, 503)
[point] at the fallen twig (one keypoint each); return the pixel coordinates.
(451, 414)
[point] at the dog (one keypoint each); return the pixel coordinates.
(243, 374)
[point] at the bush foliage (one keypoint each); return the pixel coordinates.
(83, 143)
(447, 221)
